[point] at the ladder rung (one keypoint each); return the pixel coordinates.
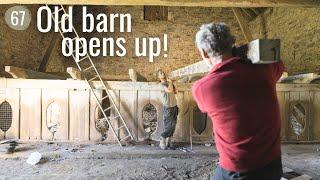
(105, 97)
(77, 49)
(108, 108)
(83, 58)
(61, 9)
(115, 117)
(121, 127)
(94, 78)
(124, 138)
(86, 69)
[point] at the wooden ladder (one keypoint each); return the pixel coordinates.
(91, 68)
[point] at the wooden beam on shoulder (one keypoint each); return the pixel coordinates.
(196, 69)
(204, 3)
(21, 73)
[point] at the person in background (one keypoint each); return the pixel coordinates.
(170, 110)
(241, 100)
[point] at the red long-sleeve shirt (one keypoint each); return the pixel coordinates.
(241, 100)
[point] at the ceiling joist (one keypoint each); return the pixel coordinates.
(204, 3)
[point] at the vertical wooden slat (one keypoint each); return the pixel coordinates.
(156, 100)
(115, 94)
(60, 97)
(180, 131)
(316, 117)
(30, 121)
(286, 114)
(305, 97)
(282, 106)
(128, 104)
(2, 97)
(94, 109)
(143, 99)
(79, 115)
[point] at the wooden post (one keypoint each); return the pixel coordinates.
(74, 73)
(133, 75)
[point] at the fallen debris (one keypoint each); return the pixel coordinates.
(12, 147)
(290, 174)
(185, 149)
(12, 144)
(34, 158)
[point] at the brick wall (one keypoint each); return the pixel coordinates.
(26, 48)
(299, 31)
(21, 48)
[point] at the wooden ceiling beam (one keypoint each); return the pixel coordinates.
(204, 3)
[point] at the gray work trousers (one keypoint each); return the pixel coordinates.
(170, 115)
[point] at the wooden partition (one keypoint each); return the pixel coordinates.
(67, 110)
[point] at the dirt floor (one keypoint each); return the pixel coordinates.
(94, 161)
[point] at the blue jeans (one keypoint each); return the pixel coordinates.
(272, 171)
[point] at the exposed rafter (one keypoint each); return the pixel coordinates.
(243, 23)
(207, 3)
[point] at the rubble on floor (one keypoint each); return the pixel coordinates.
(141, 161)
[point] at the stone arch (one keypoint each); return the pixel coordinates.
(150, 118)
(5, 116)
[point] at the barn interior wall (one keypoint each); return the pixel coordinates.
(26, 48)
(299, 32)
(296, 27)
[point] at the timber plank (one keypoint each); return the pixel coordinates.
(79, 115)
(30, 120)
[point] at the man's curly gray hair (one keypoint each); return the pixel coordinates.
(214, 39)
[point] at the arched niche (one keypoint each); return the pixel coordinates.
(5, 116)
(53, 117)
(100, 123)
(298, 119)
(150, 118)
(199, 121)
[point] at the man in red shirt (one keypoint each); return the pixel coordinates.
(241, 100)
